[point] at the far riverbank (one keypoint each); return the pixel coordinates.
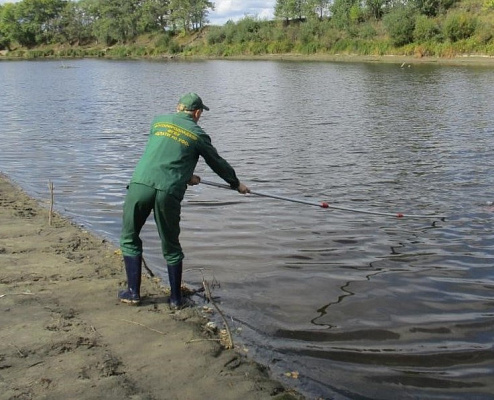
(479, 60)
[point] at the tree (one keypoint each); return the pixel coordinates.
(295, 9)
(431, 8)
(321, 8)
(281, 10)
(459, 25)
(36, 21)
(199, 13)
(342, 12)
(189, 14)
(8, 25)
(376, 8)
(426, 29)
(155, 15)
(400, 25)
(76, 23)
(116, 20)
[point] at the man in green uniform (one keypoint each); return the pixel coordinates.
(159, 182)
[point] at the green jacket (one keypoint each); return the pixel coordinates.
(173, 149)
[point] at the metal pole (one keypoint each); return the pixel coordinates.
(324, 204)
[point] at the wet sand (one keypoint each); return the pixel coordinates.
(64, 335)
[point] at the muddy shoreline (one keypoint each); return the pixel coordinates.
(465, 59)
(473, 60)
(64, 335)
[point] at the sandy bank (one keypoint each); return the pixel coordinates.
(398, 59)
(64, 335)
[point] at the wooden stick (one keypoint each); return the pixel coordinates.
(50, 186)
(145, 265)
(202, 340)
(26, 293)
(210, 298)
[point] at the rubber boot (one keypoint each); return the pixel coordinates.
(133, 268)
(175, 278)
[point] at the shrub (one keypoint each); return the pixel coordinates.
(119, 52)
(489, 49)
(174, 47)
(459, 25)
(356, 14)
(215, 35)
(35, 54)
(400, 24)
(217, 50)
(4, 42)
(424, 50)
(308, 31)
(342, 46)
(166, 44)
(258, 48)
(70, 52)
(488, 4)
(163, 40)
(484, 32)
(367, 31)
(280, 47)
(425, 29)
(307, 48)
(138, 51)
(245, 30)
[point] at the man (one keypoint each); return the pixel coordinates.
(159, 182)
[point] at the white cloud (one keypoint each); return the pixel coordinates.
(237, 9)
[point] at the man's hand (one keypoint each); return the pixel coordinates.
(194, 180)
(243, 189)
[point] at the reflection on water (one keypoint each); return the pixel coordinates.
(362, 306)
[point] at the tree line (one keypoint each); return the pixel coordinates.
(367, 27)
(400, 18)
(348, 11)
(33, 23)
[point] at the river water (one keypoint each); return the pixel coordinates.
(361, 306)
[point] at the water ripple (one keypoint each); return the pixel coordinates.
(363, 306)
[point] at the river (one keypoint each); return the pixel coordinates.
(357, 305)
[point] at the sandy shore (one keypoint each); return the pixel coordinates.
(64, 335)
(474, 60)
(464, 59)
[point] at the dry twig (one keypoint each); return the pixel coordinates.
(211, 300)
(144, 326)
(202, 340)
(21, 354)
(145, 265)
(50, 186)
(17, 294)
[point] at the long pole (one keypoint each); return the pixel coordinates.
(324, 204)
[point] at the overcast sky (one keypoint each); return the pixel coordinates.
(230, 9)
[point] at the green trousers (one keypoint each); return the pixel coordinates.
(139, 202)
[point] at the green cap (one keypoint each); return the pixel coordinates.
(191, 102)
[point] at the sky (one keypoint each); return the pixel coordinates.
(230, 10)
(237, 9)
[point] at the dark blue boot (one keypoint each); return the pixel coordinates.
(175, 278)
(133, 268)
